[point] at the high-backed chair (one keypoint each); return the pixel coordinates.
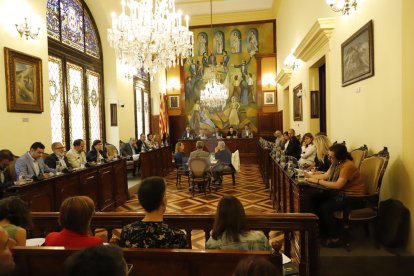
(131, 164)
(182, 170)
(359, 154)
(372, 170)
(111, 150)
(199, 174)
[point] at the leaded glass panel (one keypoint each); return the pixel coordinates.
(56, 100)
(146, 112)
(94, 104)
(140, 114)
(75, 102)
(72, 24)
(52, 19)
(91, 42)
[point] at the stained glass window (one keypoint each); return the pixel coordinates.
(75, 102)
(71, 14)
(146, 112)
(91, 43)
(53, 21)
(56, 100)
(94, 105)
(139, 110)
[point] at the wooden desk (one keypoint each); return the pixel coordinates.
(247, 147)
(106, 184)
(157, 162)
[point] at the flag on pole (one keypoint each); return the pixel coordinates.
(163, 123)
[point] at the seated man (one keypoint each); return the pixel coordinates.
(231, 133)
(187, 134)
(130, 149)
(199, 152)
(58, 155)
(202, 134)
(6, 179)
(217, 134)
(77, 155)
(142, 146)
(279, 141)
(31, 164)
(152, 232)
(223, 157)
(247, 133)
(293, 148)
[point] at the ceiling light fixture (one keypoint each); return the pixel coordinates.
(343, 6)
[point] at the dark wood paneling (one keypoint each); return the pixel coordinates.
(66, 187)
(120, 176)
(156, 162)
(106, 200)
(177, 126)
(40, 197)
(89, 186)
(267, 124)
(155, 124)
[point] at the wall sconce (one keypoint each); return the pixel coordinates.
(301, 93)
(26, 30)
(173, 85)
(291, 61)
(268, 81)
(342, 5)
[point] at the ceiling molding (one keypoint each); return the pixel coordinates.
(232, 17)
(284, 76)
(317, 37)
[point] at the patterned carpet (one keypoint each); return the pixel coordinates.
(249, 189)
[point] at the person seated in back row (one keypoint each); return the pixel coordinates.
(151, 231)
(97, 153)
(247, 133)
(187, 134)
(217, 134)
(231, 133)
(77, 155)
(58, 157)
(130, 149)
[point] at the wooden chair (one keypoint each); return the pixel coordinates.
(233, 167)
(359, 154)
(131, 164)
(372, 170)
(199, 174)
(181, 171)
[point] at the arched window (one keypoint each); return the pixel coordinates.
(75, 73)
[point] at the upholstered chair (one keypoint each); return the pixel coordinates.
(199, 174)
(359, 154)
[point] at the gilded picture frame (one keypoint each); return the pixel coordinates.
(174, 101)
(269, 98)
(24, 83)
(358, 55)
(297, 104)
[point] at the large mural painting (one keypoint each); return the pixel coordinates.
(226, 54)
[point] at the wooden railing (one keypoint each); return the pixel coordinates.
(304, 225)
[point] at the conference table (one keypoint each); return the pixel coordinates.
(105, 183)
(247, 147)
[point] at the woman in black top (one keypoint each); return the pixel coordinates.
(322, 144)
(96, 153)
(180, 157)
(231, 133)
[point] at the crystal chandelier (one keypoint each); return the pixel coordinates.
(26, 30)
(342, 5)
(214, 94)
(151, 36)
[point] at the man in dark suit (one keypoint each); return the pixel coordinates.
(187, 134)
(58, 155)
(6, 180)
(293, 148)
(130, 149)
(217, 134)
(141, 145)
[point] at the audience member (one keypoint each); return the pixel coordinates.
(217, 134)
(6, 179)
(199, 152)
(202, 134)
(31, 164)
(286, 139)
(322, 144)
(230, 230)
(101, 260)
(76, 155)
(343, 178)
(15, 218)
(75, 217)
(307, 158)
(279, 141)
(293, 148)
(231, 133)
(152, 232)
(130, 149)
(97, 153)
(187, 134)
(6, 257)
(256, 266)
(223, 157)
(246, 132)
(142, 146)
(58, 157)
(180, 158)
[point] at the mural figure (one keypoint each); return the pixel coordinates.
(218, 43)
(236, 87)
(244, 67)
(193, 68)
(212, 60)
(235, 42)
(234, 113)
(252, 46)
(205, 117)
(250, 84)
(202, 44)
(204, 61)
(195, 116)
(244, 96)
(226, 59)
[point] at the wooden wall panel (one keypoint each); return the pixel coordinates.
(269, 122)
(177, 126)
(155, 121)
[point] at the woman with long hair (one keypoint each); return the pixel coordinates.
(15, 218)
(230, 230)
(180, 157)
(97, 152)
(307, 157)
(322, 144)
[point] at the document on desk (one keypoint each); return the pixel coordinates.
(135, 157)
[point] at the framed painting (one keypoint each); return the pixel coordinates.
(297, 104)
(114, 114)
(24, 82)
(314, 104)
(174, 101)
(358, 55)
(269, 98)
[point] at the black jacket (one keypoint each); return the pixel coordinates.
(51, 160)
(293, 148)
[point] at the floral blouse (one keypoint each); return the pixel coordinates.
(145, 234)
